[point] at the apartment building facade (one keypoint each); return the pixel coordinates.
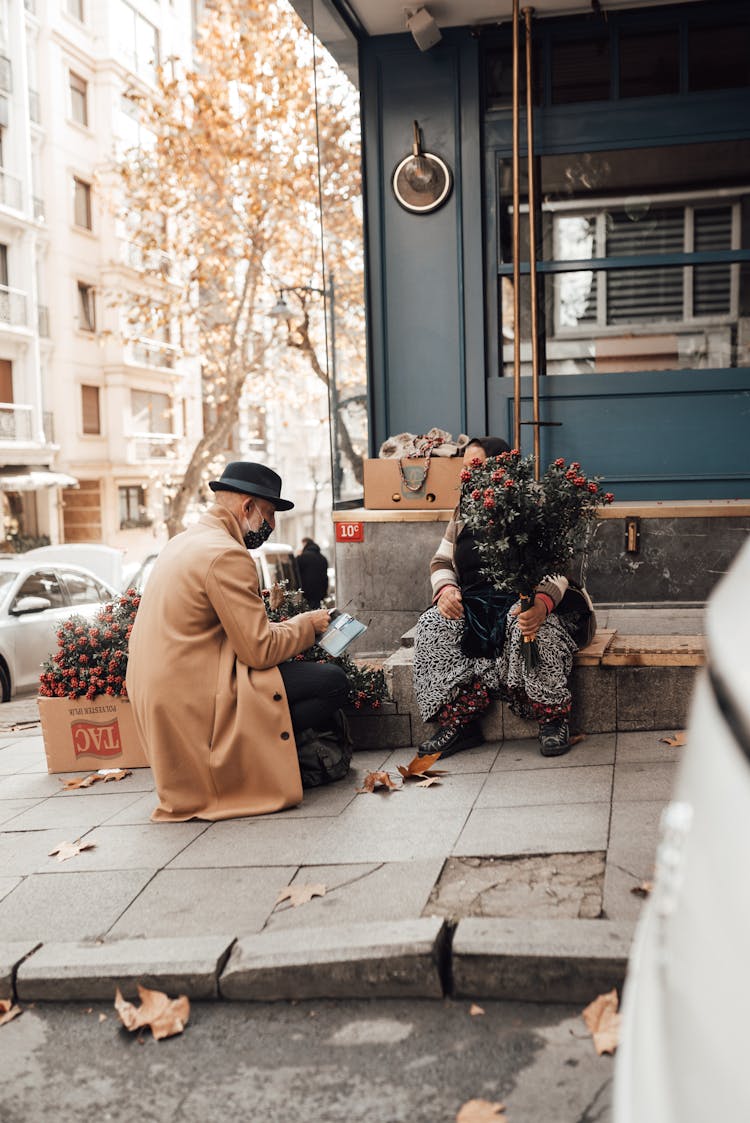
(125, 402)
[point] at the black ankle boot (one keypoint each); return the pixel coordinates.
(452, 739)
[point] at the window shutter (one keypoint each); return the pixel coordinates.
(90, 406)
(645, 295)
(712, 283)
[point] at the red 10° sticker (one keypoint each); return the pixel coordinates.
(350, 532)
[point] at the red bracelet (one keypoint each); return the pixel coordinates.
(547, 601)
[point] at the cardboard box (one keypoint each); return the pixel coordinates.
(416, 484)
(83, 736)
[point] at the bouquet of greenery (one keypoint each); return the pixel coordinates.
(527, 529)
(366, 684)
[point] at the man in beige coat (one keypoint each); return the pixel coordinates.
(208, 696)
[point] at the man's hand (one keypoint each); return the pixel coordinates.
(530, 621)
(320, 618)
(449, 603)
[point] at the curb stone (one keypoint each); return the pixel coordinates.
(539, 960)
(88, 972)
(11, 956)
(400, 959)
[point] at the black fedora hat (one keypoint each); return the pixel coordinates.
(252, 479)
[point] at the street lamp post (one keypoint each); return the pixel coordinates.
(282, 311)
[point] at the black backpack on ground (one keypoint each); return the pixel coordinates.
(325, 756)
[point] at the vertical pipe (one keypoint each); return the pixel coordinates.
(516, 241)
(527, 14)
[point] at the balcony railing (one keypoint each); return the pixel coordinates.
(152, 353)
(146, 260)
(152, 446)
(6, 75)
(15, 422)
(39, 211)
(42, 315)
(11, 191)
(13, 307)
(35, 112)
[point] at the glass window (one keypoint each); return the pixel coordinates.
(719, 57)
(90, 410)
(75, 8)
(580, 70)
(86, 307)
(42, 583)
(137, 41)
(132, 500)
(498, 79)
(151, 413)
(82, 203)
(78, 99)
(83, 589)
(650, 64)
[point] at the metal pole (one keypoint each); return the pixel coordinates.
(516, 242)
(333, 394)
(527, 14)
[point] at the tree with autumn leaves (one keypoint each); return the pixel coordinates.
(227, 188)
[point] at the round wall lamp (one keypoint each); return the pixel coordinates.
(422, 181)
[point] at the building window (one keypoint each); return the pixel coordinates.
(138, 41)
(75, 8)
(79, 110)
(151, 413)
(133, 513)
(82, 203)
(90, 410)
(86, 307)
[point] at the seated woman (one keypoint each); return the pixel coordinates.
(468, 647)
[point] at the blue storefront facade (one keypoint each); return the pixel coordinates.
(642, 218)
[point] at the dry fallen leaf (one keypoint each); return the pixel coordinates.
(428, 782)
(643, 889)
(69, 849)
(603, 1022)
(422, 766)
(577, 738)
(163, 1015)
(8, 1011)
(675, 742)
(300, 894)
(94, 777)
(102, 1018)
(482, 1111)
(475, 1009)
(378, 779)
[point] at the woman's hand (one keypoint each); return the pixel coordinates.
(449, 603)
(530, 621)
(320, 619)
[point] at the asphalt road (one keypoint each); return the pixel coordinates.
(319, 1062)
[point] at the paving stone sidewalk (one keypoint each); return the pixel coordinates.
(380, 857)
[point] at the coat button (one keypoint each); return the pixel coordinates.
(277, 697)
(284, 736)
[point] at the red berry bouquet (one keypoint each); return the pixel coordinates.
(92, 654)
(527, 529)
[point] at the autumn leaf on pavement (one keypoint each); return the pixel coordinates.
(428, 782)
(8, 1011)
(69, 849)
(482, 1111)
(163, 1015)
(577, 738)
(300, 894)
(675, 742)
(603, 1022)
(94, 777)
(475, 1009)
(643, 889)
(421, 767)
(373, 780)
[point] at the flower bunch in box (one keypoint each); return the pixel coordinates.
(527, 529)
(92, 654)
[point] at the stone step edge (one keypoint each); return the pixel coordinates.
(663, 651)
(428, 957)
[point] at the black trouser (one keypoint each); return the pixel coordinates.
(314, 692)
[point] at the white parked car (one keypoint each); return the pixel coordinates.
(274, 561)
(35, 597)
(684, 1041)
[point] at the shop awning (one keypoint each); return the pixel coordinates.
(19, 478)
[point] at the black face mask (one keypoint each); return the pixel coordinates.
(255, 538)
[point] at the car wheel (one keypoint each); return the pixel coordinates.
(4, 684)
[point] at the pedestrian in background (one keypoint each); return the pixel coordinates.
(313, 572)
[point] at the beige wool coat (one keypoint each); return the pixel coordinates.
(203, 680)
